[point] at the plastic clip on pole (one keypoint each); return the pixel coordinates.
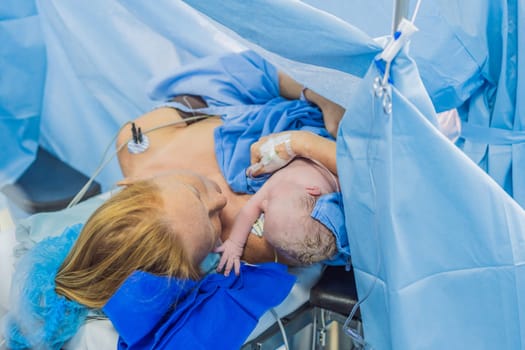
(405, 30)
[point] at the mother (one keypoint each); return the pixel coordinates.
(196, 147)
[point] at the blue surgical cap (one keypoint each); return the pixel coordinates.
(329, 211)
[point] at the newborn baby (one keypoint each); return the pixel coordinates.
(282, 206)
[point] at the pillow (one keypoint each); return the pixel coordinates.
(33, 229)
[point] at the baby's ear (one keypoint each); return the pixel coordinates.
(313, 190)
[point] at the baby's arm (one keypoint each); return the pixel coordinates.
(233, 247)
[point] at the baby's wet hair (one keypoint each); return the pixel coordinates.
(314, 244)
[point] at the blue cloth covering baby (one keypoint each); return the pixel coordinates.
(243, 88)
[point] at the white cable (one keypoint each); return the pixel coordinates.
(104, 161)
(416, 10)
(281, 327)
(188, 104)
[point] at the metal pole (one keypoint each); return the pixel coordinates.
(400, 11)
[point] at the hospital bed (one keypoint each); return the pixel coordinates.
(317, 297)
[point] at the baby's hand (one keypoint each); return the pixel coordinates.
(231, 257)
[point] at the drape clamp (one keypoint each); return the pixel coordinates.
(383, 91)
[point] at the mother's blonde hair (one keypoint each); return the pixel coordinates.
(130, 231)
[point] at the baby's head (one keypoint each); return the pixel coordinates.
(298, 238)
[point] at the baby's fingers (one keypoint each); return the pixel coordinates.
(221, 264)
(237, 264)
(229, 266)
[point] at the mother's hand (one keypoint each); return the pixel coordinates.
(287, 145)
(271, 153)
(332, 112)
(332, 115)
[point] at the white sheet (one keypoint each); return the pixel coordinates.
(7, 242)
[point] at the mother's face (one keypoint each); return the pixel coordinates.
(194, 204)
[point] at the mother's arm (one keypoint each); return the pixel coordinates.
(303, 143)
(332, 112)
